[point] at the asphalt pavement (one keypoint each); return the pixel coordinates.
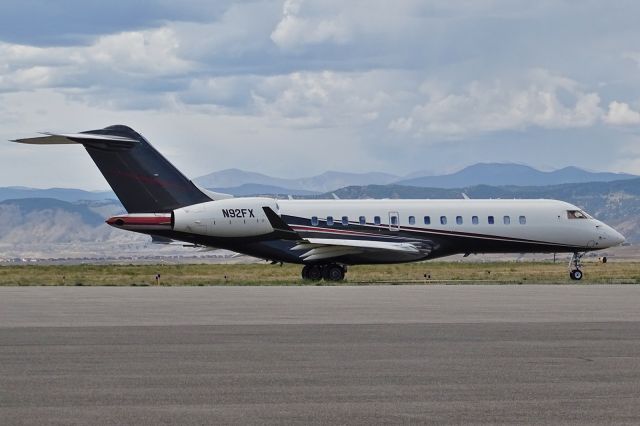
(547, 354)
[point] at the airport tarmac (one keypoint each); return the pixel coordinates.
(543, 354)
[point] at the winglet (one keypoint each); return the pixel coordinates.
(279, 225)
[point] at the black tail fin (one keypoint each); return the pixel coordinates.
(141, 177)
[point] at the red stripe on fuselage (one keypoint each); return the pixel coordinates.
(139, 220)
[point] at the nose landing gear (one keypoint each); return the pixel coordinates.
(575, 266)
(330, 272)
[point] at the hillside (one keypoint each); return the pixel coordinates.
(63, 194)
(45, 227)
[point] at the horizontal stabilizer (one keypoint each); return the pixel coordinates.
(78, 138)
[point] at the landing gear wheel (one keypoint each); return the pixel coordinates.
(333, 272)
(575, 271)
(312, 272)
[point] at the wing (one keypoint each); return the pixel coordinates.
(314, 249)
(326, 248)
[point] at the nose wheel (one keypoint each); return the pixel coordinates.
(575, 266)
(328, 272)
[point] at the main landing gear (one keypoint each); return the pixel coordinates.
(329, 271)
(575, 266)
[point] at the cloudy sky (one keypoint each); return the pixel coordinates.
(297, 87)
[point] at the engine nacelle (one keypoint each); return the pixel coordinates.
(234, 217)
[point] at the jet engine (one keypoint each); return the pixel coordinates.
(234, 217)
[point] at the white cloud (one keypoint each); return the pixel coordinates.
(143, 54)
(322, 99)
(621, 114)
(629, 158)
(232, 92)
(496, 106)
(294, 30)
(365, 76)
(151, 53)
(241, 37)
(401, 125)
(196, 142)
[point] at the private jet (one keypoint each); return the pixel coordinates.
(326, 236)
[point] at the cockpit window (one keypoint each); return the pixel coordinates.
(577, 214)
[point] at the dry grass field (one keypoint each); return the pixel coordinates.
(265, 274)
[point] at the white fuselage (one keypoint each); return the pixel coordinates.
(536, 220)
(378, 231)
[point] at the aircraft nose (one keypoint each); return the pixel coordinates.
(613, 237)
(617, 237)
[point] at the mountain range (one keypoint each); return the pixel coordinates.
(62, 194)
(61, 222)
(242, 183)
(229, 179)
(45, 227)
(497, 174)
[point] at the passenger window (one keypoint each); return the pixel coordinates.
(506, 220)
(490, 220)
(427, 220)
(314, 221)
(345, 220)
(443, 220)
(474, 220)
(329, 220)
(459, 220)
(523, 220)
(363, 220)
(412, 220)
(394, 220)
(376, 220)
